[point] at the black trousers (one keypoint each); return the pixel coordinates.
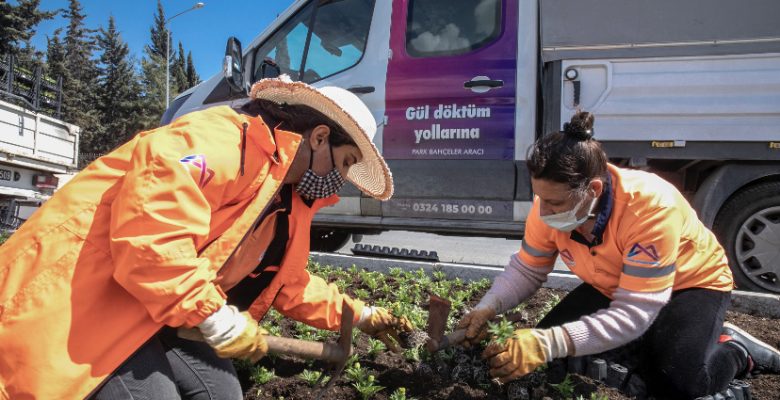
(679, 355)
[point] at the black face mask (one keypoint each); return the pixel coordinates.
(313, 186)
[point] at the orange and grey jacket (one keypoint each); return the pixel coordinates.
(153, 234)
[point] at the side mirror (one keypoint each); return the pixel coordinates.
(269, 69)
(233, 67)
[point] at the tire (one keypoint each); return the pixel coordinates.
(328, 239)
(748, 226)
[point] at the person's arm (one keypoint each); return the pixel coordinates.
(645, 285)
(514, 285)
(162, 214)
(315, 302)
(521, 278)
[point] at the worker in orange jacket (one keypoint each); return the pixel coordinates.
(201, 224)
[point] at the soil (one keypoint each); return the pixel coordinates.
(458, 373)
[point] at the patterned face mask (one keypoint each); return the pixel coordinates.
(313, 186)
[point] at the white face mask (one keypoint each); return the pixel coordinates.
(567, 221)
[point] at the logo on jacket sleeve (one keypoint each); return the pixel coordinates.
(197, 162)
(644, 254)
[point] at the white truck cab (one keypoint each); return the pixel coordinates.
(461, 88)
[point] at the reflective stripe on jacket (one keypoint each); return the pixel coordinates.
(136, 241)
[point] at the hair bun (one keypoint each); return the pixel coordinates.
(581, 125)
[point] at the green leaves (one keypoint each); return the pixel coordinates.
(262, 375)
(311, 377)
(501, 331)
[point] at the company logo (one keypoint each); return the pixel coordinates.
(644, 254)
(567, 258)
(198, 163)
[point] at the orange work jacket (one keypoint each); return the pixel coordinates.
(138, 240)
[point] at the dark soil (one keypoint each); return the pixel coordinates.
(458, 373)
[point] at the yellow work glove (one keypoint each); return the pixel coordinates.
(525, 351)
(475, 324)
(232, 334)
(379, 323)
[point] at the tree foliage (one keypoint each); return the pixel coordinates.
(107, 92)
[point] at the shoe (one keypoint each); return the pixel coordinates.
(761, 356)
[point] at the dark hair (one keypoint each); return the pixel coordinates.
(296, 118)
(570, 156)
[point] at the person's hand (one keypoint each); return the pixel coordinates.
(379, 323)
(475, 324)
(525, 351)
(231, 333)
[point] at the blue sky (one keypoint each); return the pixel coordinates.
(203, 31)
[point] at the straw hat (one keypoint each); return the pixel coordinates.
(371, 175)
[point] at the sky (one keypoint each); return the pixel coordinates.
(203, 31)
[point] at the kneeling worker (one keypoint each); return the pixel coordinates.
(650, 268)
(203, 223)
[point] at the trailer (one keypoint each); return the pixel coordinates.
(35, 147)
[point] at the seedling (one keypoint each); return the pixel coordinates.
(312, 377)
(501, 331)
(400, 394)
(355, 372)
(272, 328)
(367, 388)
(594, 396)
(375, 347)
(261, 375)
(565, 388)
(361, 294)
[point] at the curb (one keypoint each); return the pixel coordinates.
(760, 304)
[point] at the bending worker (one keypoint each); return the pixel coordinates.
(203, 223)
(650, 268)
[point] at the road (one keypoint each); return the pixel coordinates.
(455, 249)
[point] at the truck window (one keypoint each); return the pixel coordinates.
(336, 42)
(451, 27)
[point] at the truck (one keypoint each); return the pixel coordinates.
(36, 147)
(461, 88)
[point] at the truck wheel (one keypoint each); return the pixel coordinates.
(749, 228)
(328, 239)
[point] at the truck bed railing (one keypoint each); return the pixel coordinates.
(32, 89)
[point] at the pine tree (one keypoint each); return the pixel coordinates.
(17, 24)
(118, 93)
(153, 67)
(179, 73)
(192, 75)
(80, 74)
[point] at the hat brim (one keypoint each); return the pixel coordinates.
(371, 175)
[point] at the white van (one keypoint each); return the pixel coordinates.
(461, 88)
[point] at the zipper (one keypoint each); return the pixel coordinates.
(260, 215)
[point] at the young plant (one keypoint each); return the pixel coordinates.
(400, 394)
(367, 388)
(355, 372)
(565, 388)
(375, 347)
(312, 377)
(273, 328)
(501, 331)
(413, 354)
(594, 396)
(361, 294)
(262, 375)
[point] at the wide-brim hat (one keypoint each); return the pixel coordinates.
(371, 175)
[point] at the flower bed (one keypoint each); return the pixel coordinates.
(455, 373)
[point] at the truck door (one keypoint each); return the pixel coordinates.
(451, 109)
(334, 42)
